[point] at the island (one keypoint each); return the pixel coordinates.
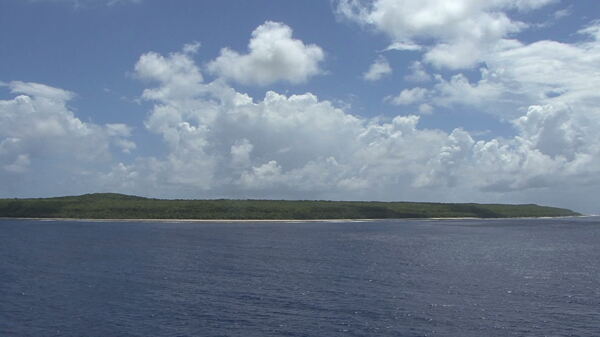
(120, 206)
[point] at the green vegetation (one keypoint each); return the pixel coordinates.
(119, 206)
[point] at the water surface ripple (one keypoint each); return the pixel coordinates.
(536, 277)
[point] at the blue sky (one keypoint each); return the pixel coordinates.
(484, 101)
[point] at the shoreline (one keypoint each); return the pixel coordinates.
(121, 207)
(280, 220)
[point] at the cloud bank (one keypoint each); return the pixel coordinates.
(224, 142)
(221, 142)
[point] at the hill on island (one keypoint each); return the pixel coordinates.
(120, 206)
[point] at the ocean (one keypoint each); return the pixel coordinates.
(464, 277)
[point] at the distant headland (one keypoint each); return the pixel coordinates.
(120, 206)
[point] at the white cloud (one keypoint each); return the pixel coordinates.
(273, 55)
(425, 109)
(224, 143)
(460, 91)
(403, 46)
(561, 13)
(41, 91)
(262, 176)
(191, 48)
(409, 96)
(119, 134)
(378, 69)
(240, 153)
(42, 138)
(593, 30)
(178, 75)
(418, 73)
(519, 75)
(558, 131)
(455, 34)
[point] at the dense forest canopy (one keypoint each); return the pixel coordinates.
(119, 206)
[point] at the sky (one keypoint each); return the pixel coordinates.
(393, 100)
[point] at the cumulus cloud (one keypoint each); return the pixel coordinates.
(454, 34)
(225, 143)
(176, 72)
(458, 90)
(119, 134)
(40, 134)
(273, 55)
(557, 131)
(378, 69)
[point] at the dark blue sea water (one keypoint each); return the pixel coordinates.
(479, 278)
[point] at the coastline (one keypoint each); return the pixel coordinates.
(120, 207)
(281, 220)
(196, 220)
